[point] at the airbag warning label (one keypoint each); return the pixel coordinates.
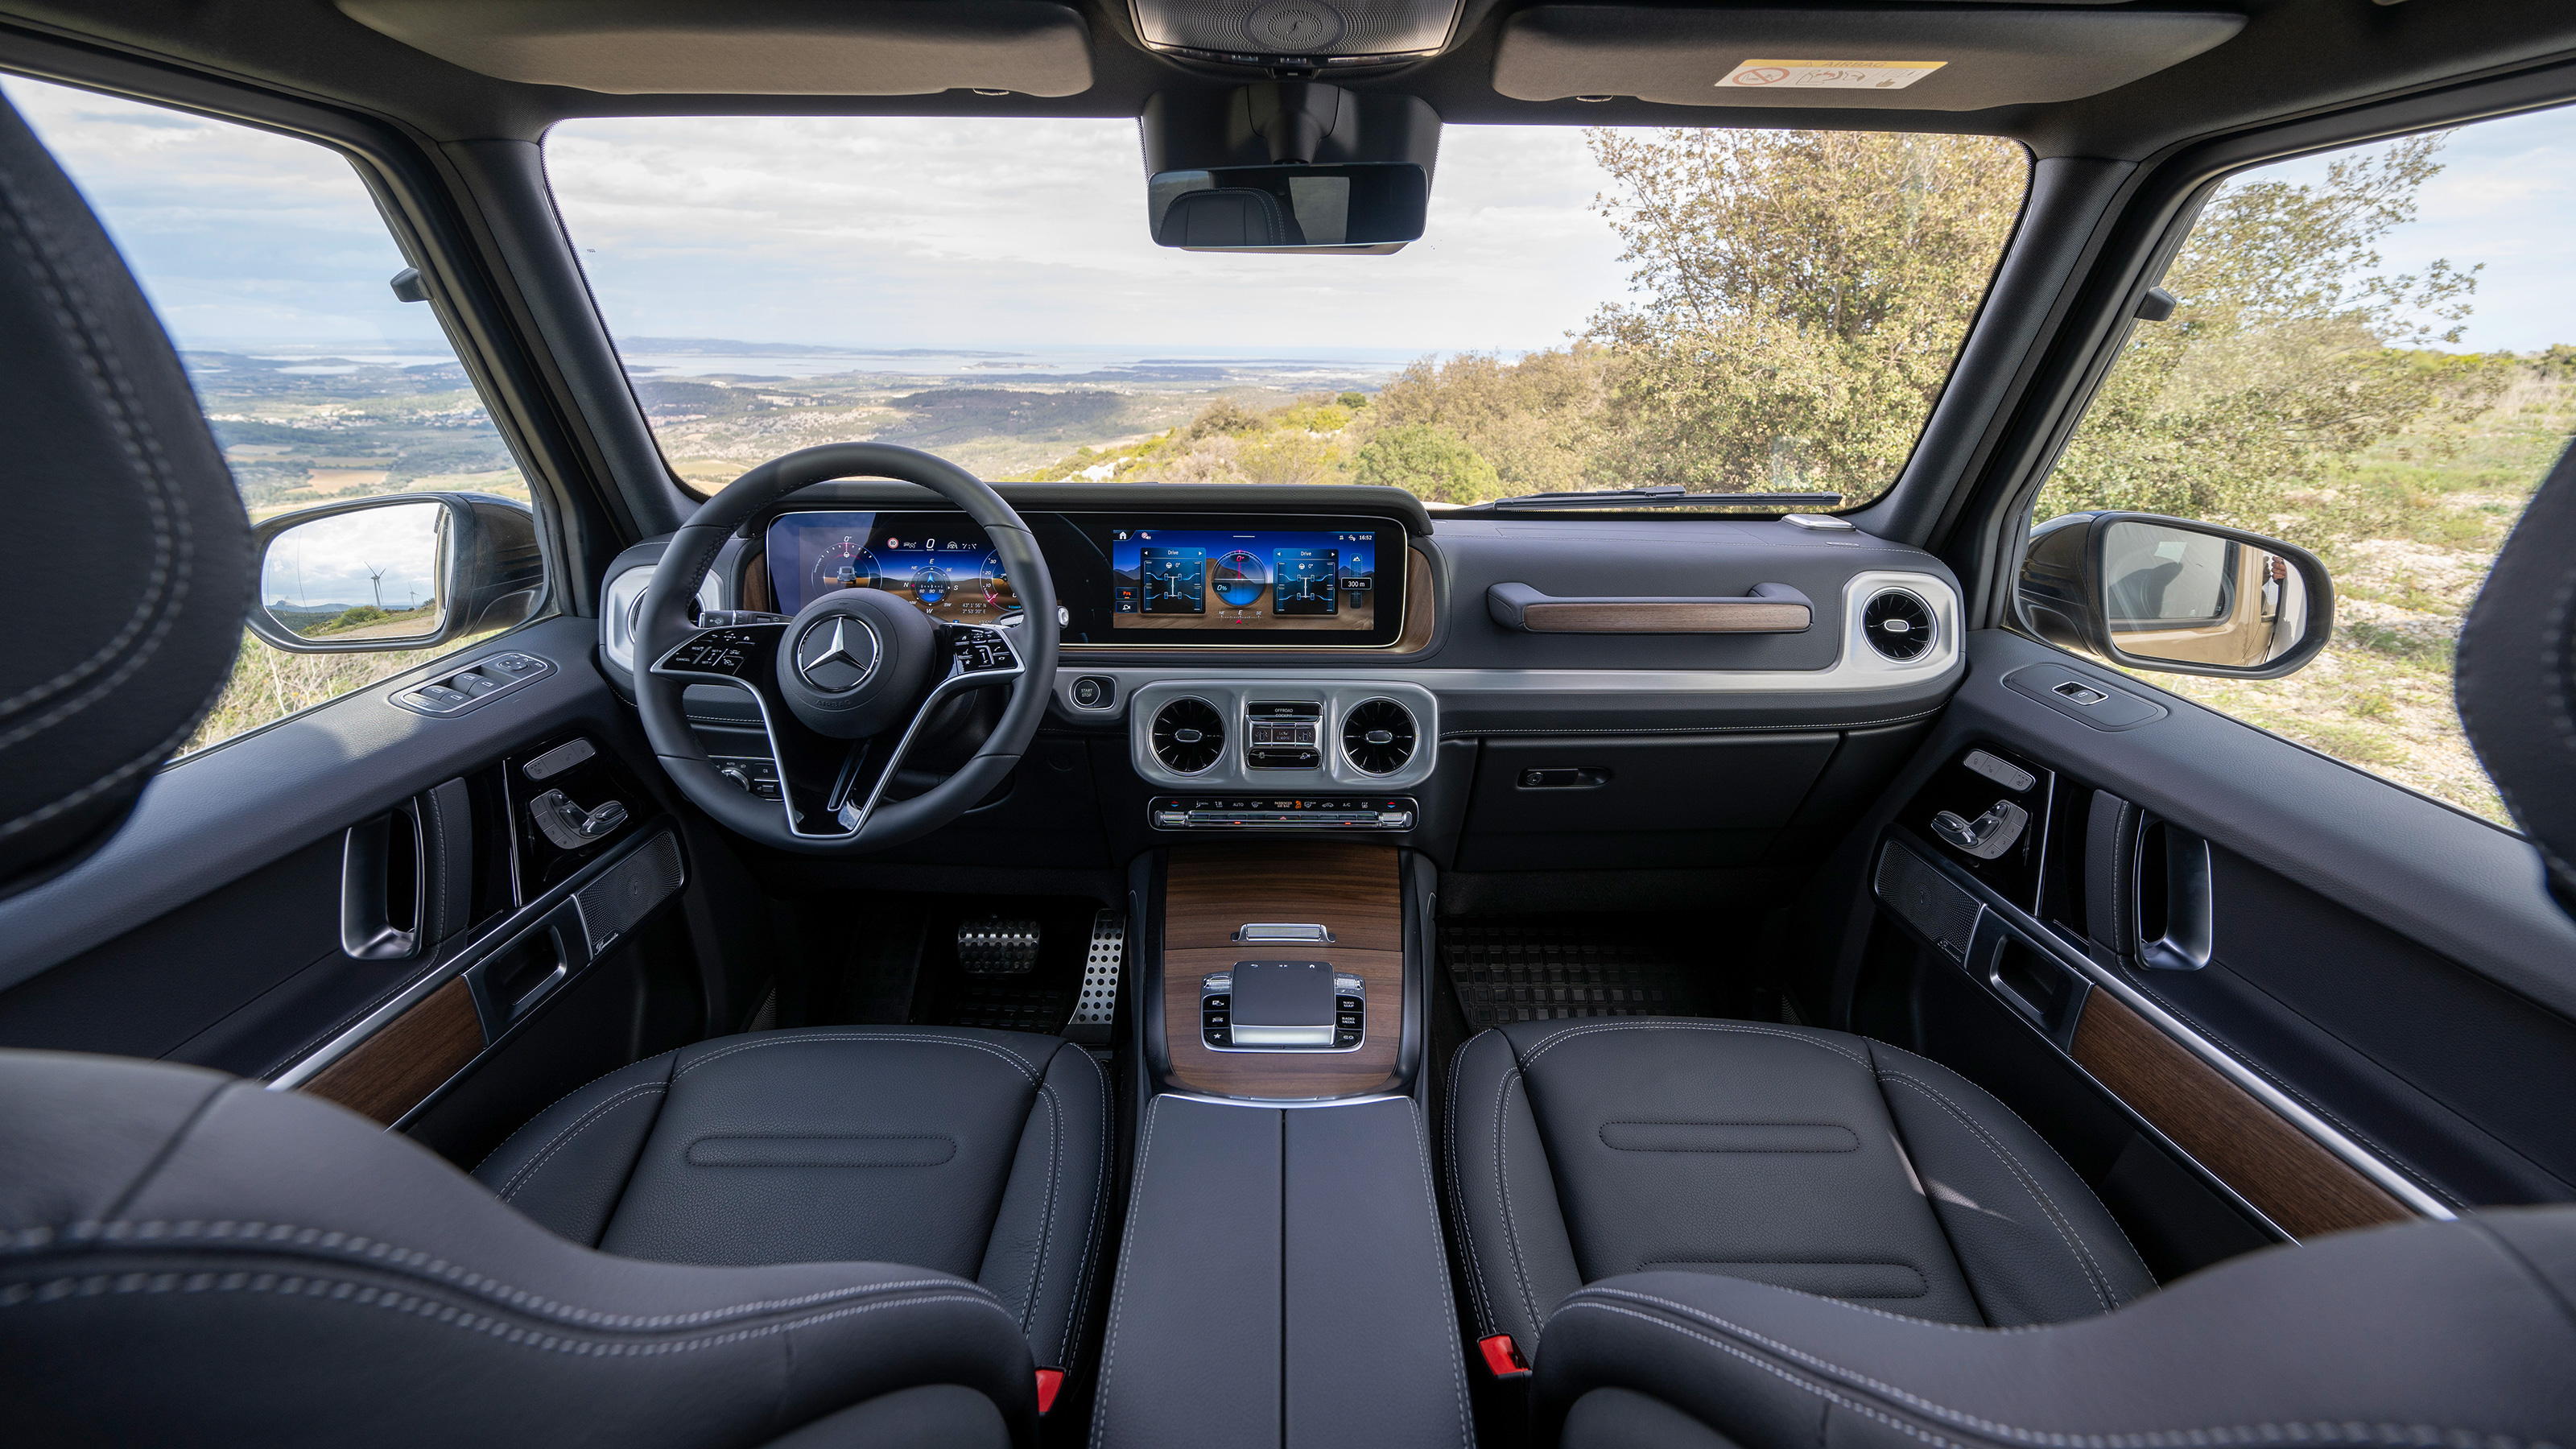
(1837, 75)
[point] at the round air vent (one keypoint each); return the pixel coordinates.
(1898, 623)
(1188, 735)
(1378, 736)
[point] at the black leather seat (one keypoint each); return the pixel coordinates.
(1813, 1160)
(846, 1236)
(984, 1154)
(1713, 1148)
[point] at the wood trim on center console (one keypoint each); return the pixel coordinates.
(1351, 889)
(2281, 1170)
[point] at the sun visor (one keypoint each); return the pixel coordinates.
(1912, 59)
(751, 47)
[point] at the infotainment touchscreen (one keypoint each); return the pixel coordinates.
(1235, 580)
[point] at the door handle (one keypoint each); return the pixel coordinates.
(2176, 931)
(382, 884)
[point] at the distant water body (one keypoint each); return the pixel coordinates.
(982, 366)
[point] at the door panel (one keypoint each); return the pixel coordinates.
(2383, 1028)
(273, 836)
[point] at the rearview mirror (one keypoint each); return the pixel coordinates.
(409, 571)
(2169, 594)
(1365, 209)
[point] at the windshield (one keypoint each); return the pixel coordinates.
(1734, 311)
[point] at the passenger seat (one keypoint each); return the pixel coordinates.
(1807, 1159)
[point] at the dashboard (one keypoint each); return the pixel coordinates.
(1141, 580)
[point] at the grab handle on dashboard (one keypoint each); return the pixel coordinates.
(1769, 609)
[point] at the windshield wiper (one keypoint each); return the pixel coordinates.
(1664, 495)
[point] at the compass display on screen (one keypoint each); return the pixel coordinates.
(1238, 578)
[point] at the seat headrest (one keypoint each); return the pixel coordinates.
(2517, 675)
(128, 565)
(1229, 216)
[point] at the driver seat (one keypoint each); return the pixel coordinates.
(833, 1236)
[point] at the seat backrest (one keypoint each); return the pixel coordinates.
(2517, 675)
(128, 555)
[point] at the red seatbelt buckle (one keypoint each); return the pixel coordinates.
(1503, 1357)
(1050, 1383)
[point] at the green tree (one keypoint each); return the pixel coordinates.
(1535, 421)
(1430, 462)
(2290, 353)
(1802, 297)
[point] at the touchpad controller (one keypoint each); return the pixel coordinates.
(1282, 1006)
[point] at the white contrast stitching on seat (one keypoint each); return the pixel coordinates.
(1099, 1223)
(1046, 1217)
(1503, 1195)
(371, 1295)
(2094, 1277)
(584, 1123)
(1014, 1058)
(201, 1233)
(1458, 1195)
(1739, 1028)
(559, 1101)
(2329, 1432)
(1431, 1200)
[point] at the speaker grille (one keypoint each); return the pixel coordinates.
(1188, 735)
(1378, 736)
(611, 905)
(1899, 624)
(1926, 900)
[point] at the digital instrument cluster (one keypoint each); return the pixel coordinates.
(941, 562)
(1155, 581)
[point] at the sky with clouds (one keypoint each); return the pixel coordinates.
(1017, 234)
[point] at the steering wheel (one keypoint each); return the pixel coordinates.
(846, 686)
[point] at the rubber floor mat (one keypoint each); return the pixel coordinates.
(1546, 968)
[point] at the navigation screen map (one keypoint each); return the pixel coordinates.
(941, 563)
(1208, 579)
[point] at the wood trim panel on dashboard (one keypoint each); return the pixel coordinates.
(1352, 890)
(1658, 616)
(390, 1072)
(2281, 1170)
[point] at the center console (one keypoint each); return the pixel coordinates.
(1283, 969)
(1282, 1281)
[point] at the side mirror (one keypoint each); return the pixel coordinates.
(2147, 592)
(408, 571)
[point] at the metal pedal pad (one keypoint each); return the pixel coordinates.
(1100, 970)
(996, 947)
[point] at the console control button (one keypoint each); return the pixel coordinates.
(1094, 692)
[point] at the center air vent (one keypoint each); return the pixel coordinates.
(1898, 623)
(1188, 735)
(1378, 736)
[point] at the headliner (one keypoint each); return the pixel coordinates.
(2293, 58)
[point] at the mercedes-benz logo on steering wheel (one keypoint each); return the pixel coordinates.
(837, 654)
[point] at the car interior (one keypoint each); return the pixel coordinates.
(1567, 970)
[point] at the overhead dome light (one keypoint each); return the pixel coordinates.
(1288, 31)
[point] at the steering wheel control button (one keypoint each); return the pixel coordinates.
(1238, 812)
(837, 654)
(1094, 692)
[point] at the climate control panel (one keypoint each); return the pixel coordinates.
(1249, 812)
